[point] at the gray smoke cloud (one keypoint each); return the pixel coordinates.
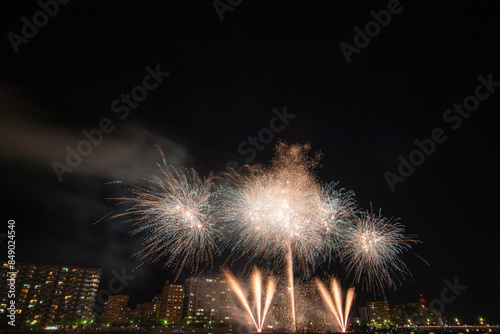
(127, 153)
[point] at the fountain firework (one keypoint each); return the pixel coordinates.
(371, 246)
(333, 300)
(256, 279)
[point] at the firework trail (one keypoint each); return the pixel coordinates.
(371, 248)
(177, 213)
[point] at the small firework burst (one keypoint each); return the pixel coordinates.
(177, 213)
(371, 247)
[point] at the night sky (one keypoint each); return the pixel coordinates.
(225, 79)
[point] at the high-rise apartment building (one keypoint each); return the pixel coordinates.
(116, 309)
(45, 294)
(207, 300)
(379, 312)
(363, 315)
(172, 298)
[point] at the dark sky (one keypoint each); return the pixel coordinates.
(226, 77)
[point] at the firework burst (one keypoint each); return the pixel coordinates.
(283, 208)
(177, 213)
(371, 247)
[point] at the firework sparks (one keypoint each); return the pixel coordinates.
(177, 213)
(371, 247)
